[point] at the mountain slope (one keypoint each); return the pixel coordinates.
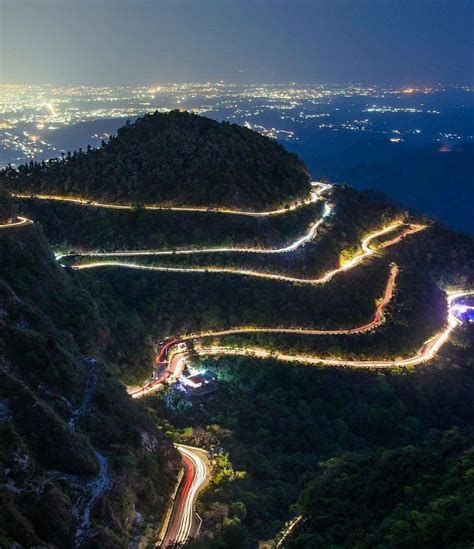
(80, 463)
(408, 497)
(176, 158)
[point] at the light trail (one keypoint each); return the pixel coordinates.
(95, 204)
(351, 263)
(427, 352)
(377, 320)
(286, 533)
(179, 527)
(310, 235)
(196, 474)
(22, 222)
(177, 360)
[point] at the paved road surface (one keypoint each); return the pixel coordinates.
(183, 523)
(93, 203)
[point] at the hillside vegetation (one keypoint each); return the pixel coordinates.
(278, 424)
(176, 158)
(408, 497)
(72, 226)
(369, 458)
(80, 462)
(7, 209)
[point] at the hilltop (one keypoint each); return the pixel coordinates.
(176, 158)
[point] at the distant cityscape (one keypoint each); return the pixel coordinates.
(33, 118)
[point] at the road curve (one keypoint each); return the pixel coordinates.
(310, 235)
(182, 523)
(93, 203)
(351, 263)
(427, 352)
(176, 360)
(376, 320)
(289, 529)
(22, 222)
(175, 365)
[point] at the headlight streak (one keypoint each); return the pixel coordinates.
(143, 253)
(22, 222)
(427, 352)
(366, 252)
(176, 360)
(313, 197)
(196, 473)
(180, 526)
(286, 533)
(377, 320)
(176, 363)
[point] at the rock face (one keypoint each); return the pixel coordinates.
(175, 159)
(71, 441)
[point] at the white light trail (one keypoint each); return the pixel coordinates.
(22, 221)
(313, 197)
(137, 253)
(288, 531)
(177, 360)
(366, 252)
(180, 527)
(376, 321)
(427, 352)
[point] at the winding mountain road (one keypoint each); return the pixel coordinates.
(376, 321)
(176, 360)
(175, 365)
(351, 263)
(312, 231)
(182, 523)
(95, 204)
(22, 222)
(427, 352)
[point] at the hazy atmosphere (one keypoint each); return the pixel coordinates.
(111, 42)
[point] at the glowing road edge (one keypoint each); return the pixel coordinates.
(137, 253)
(178, 525)
(230, 211)
(427, 352)
(349, 264)
(22, 222)
(176, 360)
(289, 530)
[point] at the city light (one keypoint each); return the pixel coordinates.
(292, 109)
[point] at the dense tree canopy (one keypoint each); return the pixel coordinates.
(60, 408)
(368, 458)
(408, 497)
(176, 158)
(7, 210)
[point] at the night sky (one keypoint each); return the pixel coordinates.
(144, 42)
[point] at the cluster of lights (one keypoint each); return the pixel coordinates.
(42, 109)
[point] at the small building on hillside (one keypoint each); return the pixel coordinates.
(199, 382)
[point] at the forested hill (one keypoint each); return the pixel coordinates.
(176, 158)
